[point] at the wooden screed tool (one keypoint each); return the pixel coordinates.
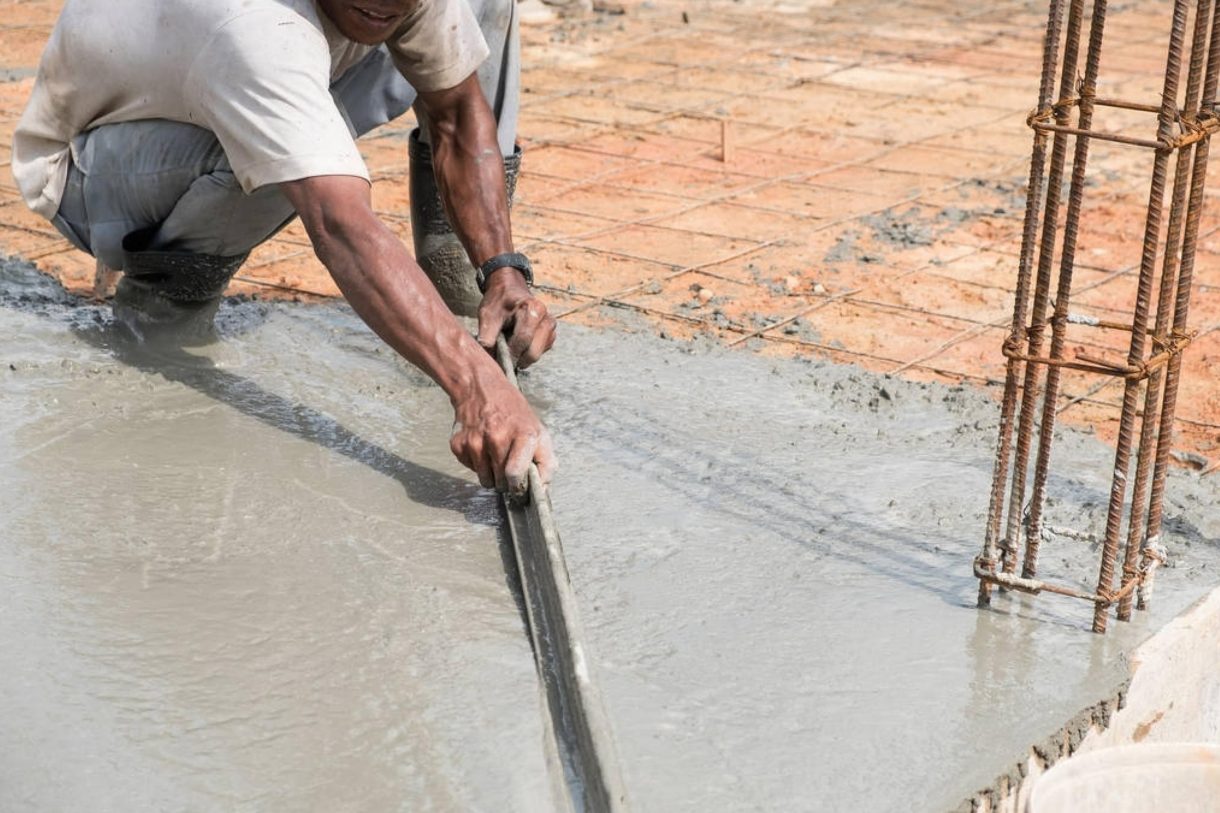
(582, 736)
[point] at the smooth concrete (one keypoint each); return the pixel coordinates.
(247, 578)
(775, 558)
(255, 580)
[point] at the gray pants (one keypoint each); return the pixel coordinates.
(172, 183)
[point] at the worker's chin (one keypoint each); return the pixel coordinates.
(361, 27)
(366, 35)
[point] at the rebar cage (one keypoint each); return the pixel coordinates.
(1158, 332)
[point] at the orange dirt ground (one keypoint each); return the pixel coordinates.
(866, 207)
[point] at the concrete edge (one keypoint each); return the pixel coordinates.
(1172, 695)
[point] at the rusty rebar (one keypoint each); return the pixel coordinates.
(1150, 424)
(1143, 296)
(1184, 140)
(1034, 189)
(1152, 366)
(1034, 333)
(1071, 233)
(1151, 548)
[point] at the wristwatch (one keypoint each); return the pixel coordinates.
(512, 260)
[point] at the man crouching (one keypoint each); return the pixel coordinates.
(169, 139)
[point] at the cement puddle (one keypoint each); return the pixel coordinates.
(254, 576)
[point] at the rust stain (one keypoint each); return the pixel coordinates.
(1142, 730)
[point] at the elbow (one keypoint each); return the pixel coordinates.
(327, 239)
(339, 231)
(327, 246)
(454, 114)
(338, 216)
(445, 132)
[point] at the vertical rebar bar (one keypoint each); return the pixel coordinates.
(1046, 256)
(1139, 324)
(1034, 192)
(1150, 424)
(1071, 233)
(1034, 371)
(1194, 211)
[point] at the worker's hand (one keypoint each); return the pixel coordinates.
(497, 435)
(509, 307)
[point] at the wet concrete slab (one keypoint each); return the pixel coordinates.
(775, 560)
(251, 574)
(248, 577)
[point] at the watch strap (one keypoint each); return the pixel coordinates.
(508, 260)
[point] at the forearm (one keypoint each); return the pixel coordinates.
(387, 289)
(470, 176)
(495, 432)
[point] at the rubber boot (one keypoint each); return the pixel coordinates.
(437, 248)
(171, 295)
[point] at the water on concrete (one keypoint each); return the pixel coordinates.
(253, 576)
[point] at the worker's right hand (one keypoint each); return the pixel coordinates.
(495, 432)
(497, 435)
(509, 306)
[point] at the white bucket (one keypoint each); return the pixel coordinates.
(1152, 778)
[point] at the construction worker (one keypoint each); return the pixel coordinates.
(168, 139)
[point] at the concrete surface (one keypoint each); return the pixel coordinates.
(246, 578)
(254, 576)
(1173, 697)
(1174, 694)
(776, 556)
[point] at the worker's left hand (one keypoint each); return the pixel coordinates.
(509, 307)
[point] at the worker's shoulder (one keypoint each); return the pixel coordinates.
(157, 29)
(257, 34)
(199, 18)
(266, 19)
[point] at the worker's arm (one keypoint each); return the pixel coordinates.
(470, 175)
(495, 432)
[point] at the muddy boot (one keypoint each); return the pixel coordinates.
(172, 295)
(437, 248)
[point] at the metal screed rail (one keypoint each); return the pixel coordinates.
(583, 741)
(1158, 328)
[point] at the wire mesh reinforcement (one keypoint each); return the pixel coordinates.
(1157, 331)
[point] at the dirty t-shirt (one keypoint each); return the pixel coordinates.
(255, 72)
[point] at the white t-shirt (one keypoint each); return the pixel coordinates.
(257, 73)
